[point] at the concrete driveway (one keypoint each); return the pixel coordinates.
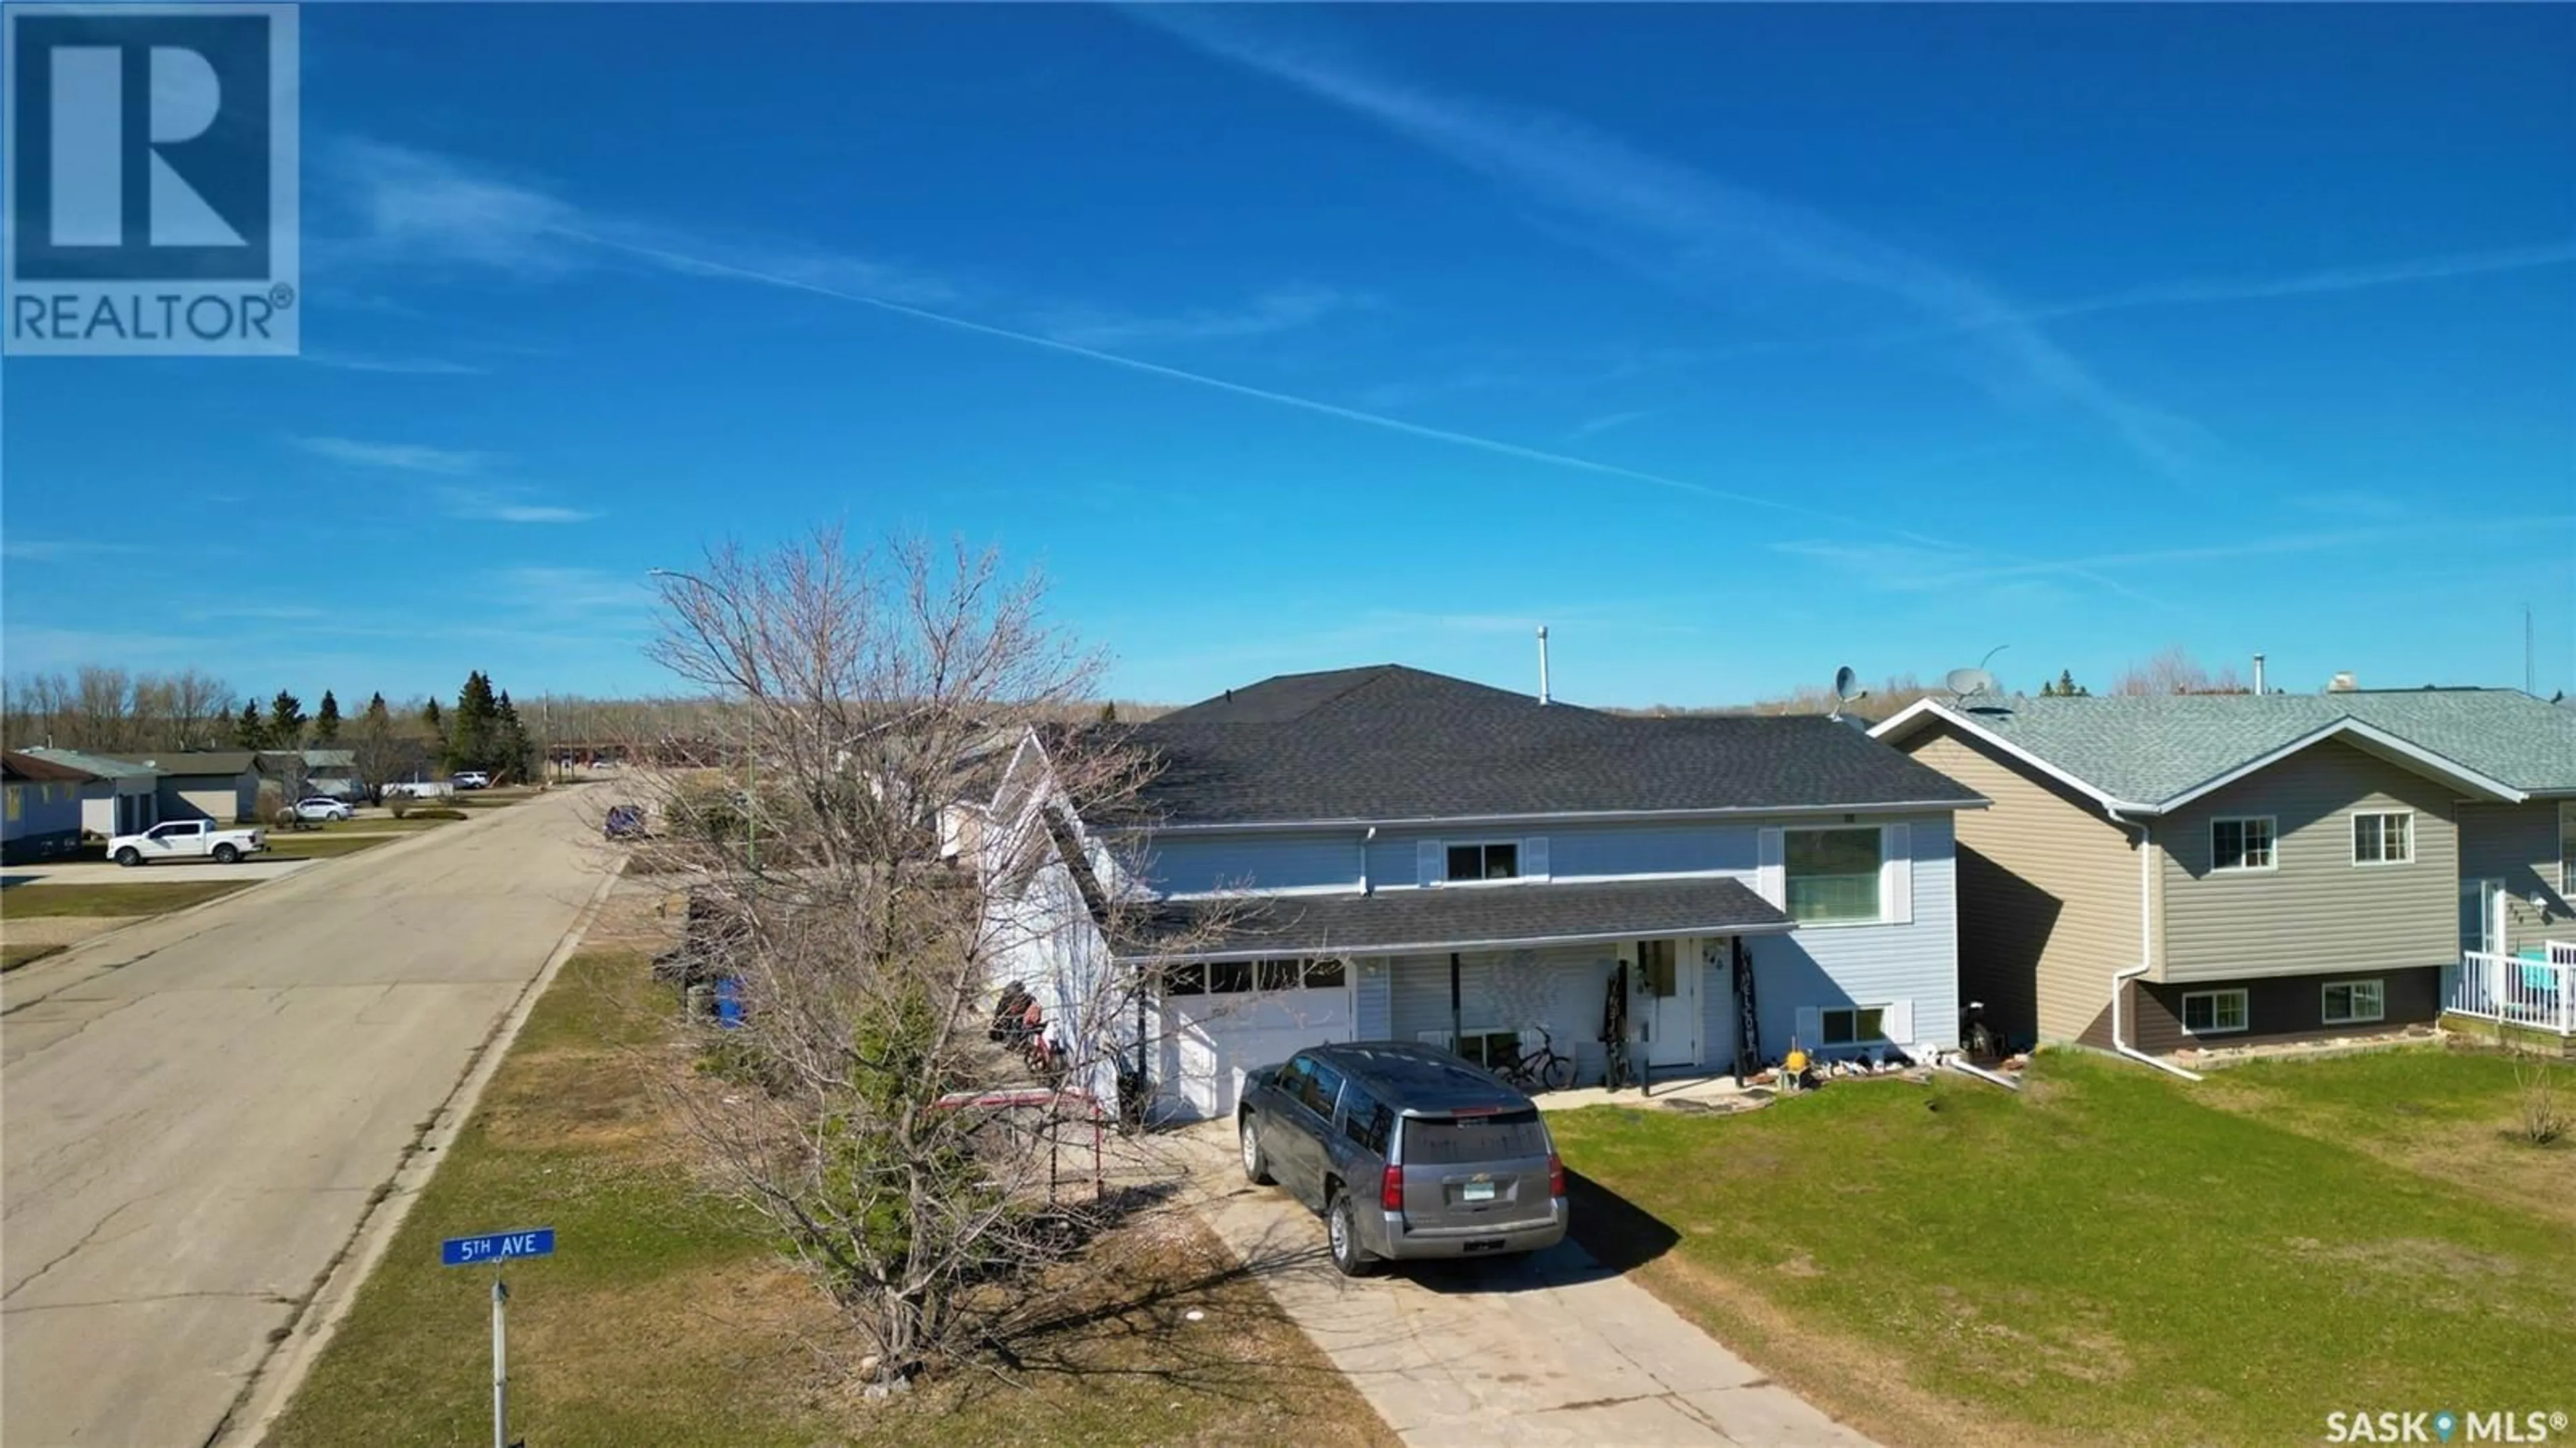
(200, 1110)
(1552, 1348)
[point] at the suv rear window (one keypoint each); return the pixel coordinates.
(1502, 1137)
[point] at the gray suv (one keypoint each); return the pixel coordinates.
(1408, 1152)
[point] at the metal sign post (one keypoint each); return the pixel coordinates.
(495, 1248)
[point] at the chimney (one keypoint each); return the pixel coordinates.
(2343, 683)
(1542, 663)
(2258, 673)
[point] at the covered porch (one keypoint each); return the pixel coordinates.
(1488, 971)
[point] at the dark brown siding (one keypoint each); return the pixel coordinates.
(2278, 1008)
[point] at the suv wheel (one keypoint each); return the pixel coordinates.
(1342, 1233)
(129, 857)
(1256, 1167)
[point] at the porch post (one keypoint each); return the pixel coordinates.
(1454, 1021)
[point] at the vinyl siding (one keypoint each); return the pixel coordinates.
(1822, 966)
(1564, 989)
(2048, 893)
(1265, 860)
(2518, 844)
(2317, 912)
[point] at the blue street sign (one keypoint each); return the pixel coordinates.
(496, 1247)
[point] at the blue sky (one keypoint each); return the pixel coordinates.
(1731, 342)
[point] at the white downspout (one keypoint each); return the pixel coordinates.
(2146, 949)
(1542, 663)
(1365, 841)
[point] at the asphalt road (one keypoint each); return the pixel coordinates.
(197, 1110)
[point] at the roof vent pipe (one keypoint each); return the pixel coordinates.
(2258, 673)
(1542, 663)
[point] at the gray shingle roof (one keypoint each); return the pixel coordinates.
(98, 764)
(1392, 743)
(202, 761)
(1453, 917)
(2150, 749)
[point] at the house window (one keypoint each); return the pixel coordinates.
(2352, 1002)
(1854, 1025)
(2567, 850)
(2241, 844)
(1832, 874)
(2213, 1012)
(1324, 975)
(2385, 838)
(1498, 860)
(1491, 1047)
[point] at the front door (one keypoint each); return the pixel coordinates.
(2478, 902)
(1667, 993)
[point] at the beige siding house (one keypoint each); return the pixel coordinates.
(2247, 867)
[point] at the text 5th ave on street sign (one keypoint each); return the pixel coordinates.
(497, 1247)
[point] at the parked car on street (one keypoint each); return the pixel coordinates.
(186, 840)
(322, 807)
(1408, 1151)
(472, 779)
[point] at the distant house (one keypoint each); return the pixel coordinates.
(124, 798)
(40, 807)
(2164, 872)
(331, 772)
(211, 784)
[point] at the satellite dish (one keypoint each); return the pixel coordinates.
(1967, 683)
(1846, 689)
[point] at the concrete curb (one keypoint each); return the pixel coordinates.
(63, 962)
(273, 1382)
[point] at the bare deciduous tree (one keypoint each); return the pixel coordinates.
(866, 1110)
(2175, 671)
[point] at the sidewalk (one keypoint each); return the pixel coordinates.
(1552, 1348)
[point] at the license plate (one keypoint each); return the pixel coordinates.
(1476, 1192)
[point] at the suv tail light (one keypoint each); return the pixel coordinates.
(1555, 1175)
(1390, 1191)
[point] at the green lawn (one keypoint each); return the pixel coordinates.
(140, 898)
(667, 1317)
(2114, 1256)
(314, 845)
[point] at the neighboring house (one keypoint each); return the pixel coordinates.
(216, 784)
(306, 772)
(122, 797)
(2266, 866)
(40, 807)
(1383, 853)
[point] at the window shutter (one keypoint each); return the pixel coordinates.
(1896, 875)
(1534, 857)
(1810, 1027)
(1898, 1020)
(1770, 881)
(1430, 863)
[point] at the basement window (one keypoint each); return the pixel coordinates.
(2355, 1002)
(2214, 1012)
(1855, 1025)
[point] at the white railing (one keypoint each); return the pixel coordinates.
(2535, 993)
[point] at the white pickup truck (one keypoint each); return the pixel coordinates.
(187, 840)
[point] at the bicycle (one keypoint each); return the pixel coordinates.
(1541, 1070)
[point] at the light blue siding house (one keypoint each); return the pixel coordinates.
(1383, 853)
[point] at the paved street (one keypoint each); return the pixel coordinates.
(197, 1110)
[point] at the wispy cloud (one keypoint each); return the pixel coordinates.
(2375, 507)
(1700, 234)
(490, 505)
(398, 456)
(56, 550)
(2318, 283)
(573, 592)
(1282, 310)
(402, 366)
(1608, 422)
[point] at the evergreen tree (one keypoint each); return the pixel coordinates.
(326, 722)
(248, 730)
(2047, 690)
(2067, 688)
(473, 727)
(430, 716)
(514, 752)
(1109, 712)
(285, 721)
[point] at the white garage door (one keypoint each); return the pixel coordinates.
(1222, 1020)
